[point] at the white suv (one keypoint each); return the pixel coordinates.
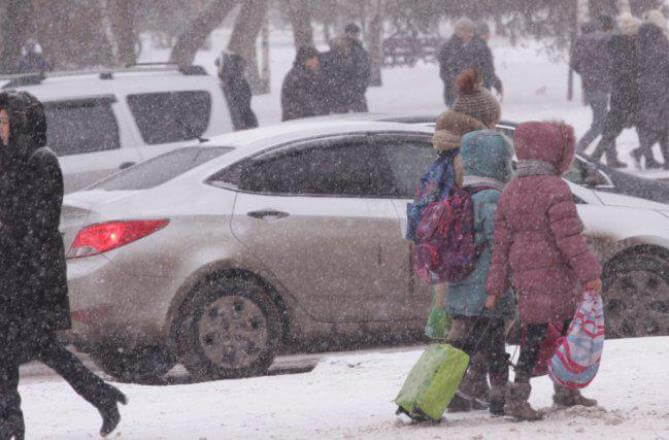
(100, 122)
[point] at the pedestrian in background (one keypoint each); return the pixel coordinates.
(590, 59)
(455, 56)
(237, 90)
(346, 73)
(624, 108)
(653, 124)
(483, 60)
(34, 302)
(302, 93)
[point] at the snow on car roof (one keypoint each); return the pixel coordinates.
(295, 130)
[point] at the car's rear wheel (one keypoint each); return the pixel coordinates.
(636, 297)
(141, 365)
(230, 328)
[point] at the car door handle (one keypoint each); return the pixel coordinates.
(125, 165)
(267, 213)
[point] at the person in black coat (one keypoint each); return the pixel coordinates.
(483, 60)
(624, 106)
(455, 56)
(653, 80)
(590, 59)
(237, 91)
(34, 301)
(302, 93)
(346, 73)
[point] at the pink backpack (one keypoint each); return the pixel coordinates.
(445, 249)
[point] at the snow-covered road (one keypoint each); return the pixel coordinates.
(349, 396)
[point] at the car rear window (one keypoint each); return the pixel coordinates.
(159, 170)
(171, 116)
(81, 126)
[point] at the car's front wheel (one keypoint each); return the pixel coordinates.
(230, 328)
(636, 297)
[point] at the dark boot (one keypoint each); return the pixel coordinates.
(108, 408)
(497, 400)
(13, 428)
(516, 404)
(460, 403)
(567, 397)
(474, 386)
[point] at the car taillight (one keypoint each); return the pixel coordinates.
(103, 237)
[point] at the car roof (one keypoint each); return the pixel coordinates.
(51, 86)
(305, 129)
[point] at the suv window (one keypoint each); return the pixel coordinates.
(171, 116)
(156, 171)
(81, 126)
(342, 170)
(409, 159)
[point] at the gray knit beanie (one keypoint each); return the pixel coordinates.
(475, 100)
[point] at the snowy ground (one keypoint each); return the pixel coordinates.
(349, 396)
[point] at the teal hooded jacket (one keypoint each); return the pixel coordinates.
(487, 157)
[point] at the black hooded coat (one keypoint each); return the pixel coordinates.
(33, 281)
(653, 79)
(237, 92)
(302, 90)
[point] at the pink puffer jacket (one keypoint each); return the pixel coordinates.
(538, 241)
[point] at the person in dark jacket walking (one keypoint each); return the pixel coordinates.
(624, 108)
(653, 125)
(34, 301)
(483, 60)
(590, 59)
(302, 90)
(346, 71)
(237, 91)
(455, 56)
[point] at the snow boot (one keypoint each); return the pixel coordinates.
(497, 400)
(567, 397)
(460, 403)
(108, 409)
(516, 404)
(13, 428)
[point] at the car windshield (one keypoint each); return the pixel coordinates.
(161, 169)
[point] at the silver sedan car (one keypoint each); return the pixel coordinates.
(217, 254)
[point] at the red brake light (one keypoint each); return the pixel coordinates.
(103, 237)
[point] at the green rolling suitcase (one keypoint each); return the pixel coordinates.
(432, 383)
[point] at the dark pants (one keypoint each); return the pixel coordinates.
(599, 103)
(473, 334)
(648, 138)
(616, 121)
(49, 351)
(529, 349)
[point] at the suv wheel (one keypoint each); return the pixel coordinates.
(636, 297)
(143, 365)
(230, 329)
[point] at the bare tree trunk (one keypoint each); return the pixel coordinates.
(17, 18)
(244, 36)
(121, 14)
(194, 37)
(300, 18)
(265, 72)
(375, 42)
